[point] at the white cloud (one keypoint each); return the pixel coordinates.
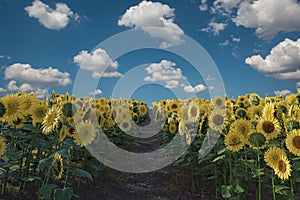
(2, 90)
(197, 89)
(224, 7)
(283, 61)
(95, 92)
(55, 19)
(235, 39)
(25, 87)
(282, 92)
(298, 84)
(165, 71)
(24, 73)
(225, 43)
(98, 62)
(214, 27)
(269, 17)
(203, 6)
(154, 14)
(4, 57)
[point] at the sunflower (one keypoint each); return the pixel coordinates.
(172, 128)
(193, 112)
(268, 110)
(172, 105)
(242, 127)
(257, 140)
(125, 125)
(68, 109)
(50, 122)
(38, 112)
(273, 155)
(19, 123)
(143, 109)
(85, 133)
(2, 146)
(28, 100)
(14, 105)
(218, 102)
(205, 109)
(254, 99)
(283, 168)
(269, 126)
(255, 112)
(217, 119)
(234, 141)
(293, 142)
(241, 113)
(290, 99)
(57, 166)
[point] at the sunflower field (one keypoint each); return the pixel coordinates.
(42, 142)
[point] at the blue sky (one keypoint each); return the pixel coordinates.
(254, 44)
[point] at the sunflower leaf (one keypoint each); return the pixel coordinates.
(81, 173)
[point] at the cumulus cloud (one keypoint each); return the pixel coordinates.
(235, 39)
(165, 71)
(4, 57)
(24, 73)
(203, 6)
(282, 92)
(2, 90)
(224, 7)
(197, 89)
(98, 62)
(55, 19)
(25, 87)
(225, 43)
(154, 14)
(95, 92)
(269, 17)
(298, 84)
(214, 27)
(283, 61)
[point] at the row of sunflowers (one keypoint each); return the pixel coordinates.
(42, 141)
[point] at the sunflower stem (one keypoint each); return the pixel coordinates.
(273, 186)
(4, 183)
(259, 178)
(68, 167)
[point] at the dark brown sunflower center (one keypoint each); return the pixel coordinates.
(174, 106)
(219, 102)
(275, 157)
(218, 120)
(282, 166)
(125, 125)
(235, 140)
(193, 111)
(296, 142)
(242, 129)
(268, 127)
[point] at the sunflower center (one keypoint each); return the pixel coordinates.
(174, 106)
(242, 129)
(12, 108)
(268, 127)
(125, 125)
(296, 142)
(282, 166)
(275, 157)
(193, 111)
(219, 102)
(235, 140)
(218, 120)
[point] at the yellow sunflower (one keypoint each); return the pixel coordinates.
(242, 127)
(51, 120)
(193, 111)
(255, 112)
(38, 111)
(218, 102)
(57, 166)
(273, 155)
(143, 109)
(28, 100)
(172, 105)
(268, 110)
(234, 141)
(241, 113)
(85, 133)
(254, 99)
(172, 128)
(293, 142)
(125, 125)
(283, 168)
(269, 126)
(217, 119)
(2, 146)
(14, 105)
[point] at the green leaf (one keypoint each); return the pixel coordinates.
(281, 189)
(257, 172)
(218, 158)
(45, 163)
(81, 173)
(225, 191)
(5, 164)
(30, 178)
(222, 150)
(236, 187)
(47, 190)
(63, 194)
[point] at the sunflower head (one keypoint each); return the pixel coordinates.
(57, 166)
(217, 119)
(85, 133)
(283, 168)
(143, 109)
(273, 155)
(293, 142)
(68, 109)
(257, 140)
(218, 102)
(234, 141)
(269, 126)
(172, 128)
(193, 111)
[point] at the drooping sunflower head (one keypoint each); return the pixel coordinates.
(51, 120)
(293, 142)
(234, 141)
(254, 99)
(241, 113)
(217, 119)
(2, 146)
(283, 168)
(269, 126)
(85, 133)
(273, 155)
(14, 105)
(257, 140)
(57, 166)
(38, 111)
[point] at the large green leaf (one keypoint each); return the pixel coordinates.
(63, 194)
(225, 191)
(46, 191)
(81, 173)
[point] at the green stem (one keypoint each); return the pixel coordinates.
(68, 167)
(292, 187)
(259, 178)
(5, 182)
(273, 186)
